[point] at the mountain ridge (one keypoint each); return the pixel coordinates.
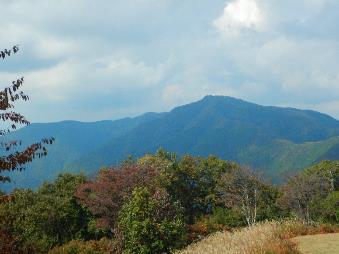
(233, 129)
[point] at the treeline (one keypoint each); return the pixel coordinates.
(157, 204)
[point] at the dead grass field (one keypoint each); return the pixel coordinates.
(318, 244)
(270, 238)
(259, 239)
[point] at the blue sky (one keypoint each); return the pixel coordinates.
(92, 60)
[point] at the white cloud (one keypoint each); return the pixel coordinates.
(53, 83)
(330, 107)
(172, 94)
(47, 47)
(74, 78)
(297, 61)
(125, 53)
(133, 74)
(295, 64)
(238, 15)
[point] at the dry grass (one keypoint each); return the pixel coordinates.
(295, 228)
(264, 238)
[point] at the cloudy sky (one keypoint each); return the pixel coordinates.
(91, 60)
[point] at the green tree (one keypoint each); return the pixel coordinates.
(242, 189)
(328, 170)
(48, 217)
(303, 194)
(151, 223)
(105, 196)
(329, 208)
(190, 180)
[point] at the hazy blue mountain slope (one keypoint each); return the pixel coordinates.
(223, 126)
(72, 140)
(270, 138)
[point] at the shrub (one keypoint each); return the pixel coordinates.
(105, 196)
(293, 228)
(227, 217)
(11, 245)
(47, 217)
(103, 246)
(329, 208)
(151, 223)
(221, 219)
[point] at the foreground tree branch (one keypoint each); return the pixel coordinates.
(16, 160)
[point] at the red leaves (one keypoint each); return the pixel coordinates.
(14, 117)
(11, 94)
(9, 244)
(16, 160)
(104, 196)
(6, 198)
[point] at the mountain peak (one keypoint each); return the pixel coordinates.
(231, 128)
(226, 99)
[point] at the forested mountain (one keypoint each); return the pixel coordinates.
(272, 139)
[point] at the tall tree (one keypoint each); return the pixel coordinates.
(151, 223)
(304, 192)
(243, 188)
(105, 196)
(15, 160)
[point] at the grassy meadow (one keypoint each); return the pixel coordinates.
(318, 244)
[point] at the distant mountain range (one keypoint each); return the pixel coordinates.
(272, 139)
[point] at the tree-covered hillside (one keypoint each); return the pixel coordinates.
(161, 203)
(273, 139)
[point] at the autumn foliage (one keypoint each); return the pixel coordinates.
(105, 195)
(8, 96)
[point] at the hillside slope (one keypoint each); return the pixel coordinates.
(273, 139)
(270, 138)
(72, 140)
